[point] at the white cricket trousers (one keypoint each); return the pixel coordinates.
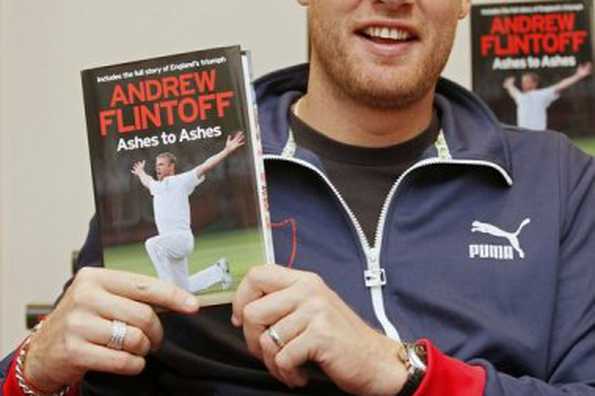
(169, 254)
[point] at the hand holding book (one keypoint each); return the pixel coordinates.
(76, 336)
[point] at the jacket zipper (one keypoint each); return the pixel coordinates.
(374, 276)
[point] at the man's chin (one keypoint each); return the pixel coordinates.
(389, 93)
(392, 101)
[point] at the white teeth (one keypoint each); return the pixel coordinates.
(387, 33)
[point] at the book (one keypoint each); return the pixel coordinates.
(177, 168)
(533, 64)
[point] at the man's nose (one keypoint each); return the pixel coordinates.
(394, 5)
(395, 2)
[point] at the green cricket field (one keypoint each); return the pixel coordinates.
(242, 249)
(586, 144)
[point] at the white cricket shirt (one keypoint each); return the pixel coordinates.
(170, 201)
(531, 107)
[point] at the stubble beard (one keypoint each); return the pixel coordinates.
(389, 89)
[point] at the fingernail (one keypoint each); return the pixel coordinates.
(191, 302)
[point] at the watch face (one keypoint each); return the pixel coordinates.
(420, 351)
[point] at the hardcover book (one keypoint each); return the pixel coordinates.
(177, 169)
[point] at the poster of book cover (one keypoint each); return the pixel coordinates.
(533, 65)
(177, 169)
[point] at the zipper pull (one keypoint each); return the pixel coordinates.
(373, 257)
(375, 277)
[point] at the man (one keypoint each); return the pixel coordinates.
(371, 270)
(532, 102)
(170, 249)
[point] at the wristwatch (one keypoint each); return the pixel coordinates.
(414, 357)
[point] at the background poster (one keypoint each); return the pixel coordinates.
(532, 63)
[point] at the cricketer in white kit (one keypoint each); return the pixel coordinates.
(169, 250)
(532, 102)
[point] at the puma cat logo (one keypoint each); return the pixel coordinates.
(500, 252)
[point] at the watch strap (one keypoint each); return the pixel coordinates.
(414, 357)
(413, 382)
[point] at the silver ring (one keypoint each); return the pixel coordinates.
(275, 337)
(119, 330)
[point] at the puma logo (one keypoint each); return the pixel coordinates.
(497, 251)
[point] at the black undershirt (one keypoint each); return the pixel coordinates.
(364, 176)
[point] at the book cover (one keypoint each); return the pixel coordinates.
(533, 65)
(177, 169)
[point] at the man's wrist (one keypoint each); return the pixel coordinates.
(32, 375)
(392, 373)
(33, 370)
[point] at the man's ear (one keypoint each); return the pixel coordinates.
(304, 3)
(465, 7)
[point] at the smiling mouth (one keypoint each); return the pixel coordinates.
(386, 35)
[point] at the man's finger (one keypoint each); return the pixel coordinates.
(149, 290)
(270, 308)
(290, 359)
(255, 325)
(259, 281)
(99, 332)
(98, 358)
(286, 330)
(269, 350)
(290, 327)
(133, 313)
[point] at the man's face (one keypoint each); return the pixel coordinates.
(383, 53)
(528, 83)
(164, 168)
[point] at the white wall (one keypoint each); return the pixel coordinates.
(458, 67)
(2, 155)
(45, 181)
(46, 195)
